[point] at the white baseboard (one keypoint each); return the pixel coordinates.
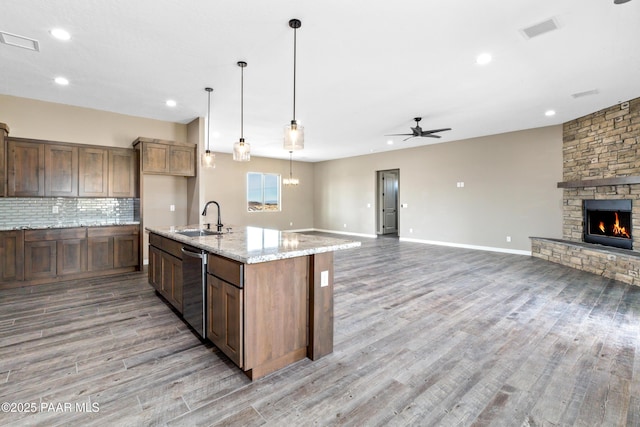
(346, 233)
(460, 245)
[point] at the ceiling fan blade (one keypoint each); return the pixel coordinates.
(434, 130)
(431, 136)
(399, 134)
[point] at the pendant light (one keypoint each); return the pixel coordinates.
(294, 133)
(208, 159)
(242, 149)
(291, 180)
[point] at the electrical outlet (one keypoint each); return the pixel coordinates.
(324, 278)
(291, 224)
(508, 238)
(345, 225)
(172, 208)
(411, 230)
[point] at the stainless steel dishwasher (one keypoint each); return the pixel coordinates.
(194, 288)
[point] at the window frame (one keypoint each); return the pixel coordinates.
(263, 190)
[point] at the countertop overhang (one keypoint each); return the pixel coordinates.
(252, 245)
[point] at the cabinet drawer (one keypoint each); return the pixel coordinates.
(115, 230)
(226, 269)
(172, 247)
(54, 234)
(155, 240)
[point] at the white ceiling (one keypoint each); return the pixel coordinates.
(365, 68)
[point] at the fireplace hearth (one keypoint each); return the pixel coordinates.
(608, 222)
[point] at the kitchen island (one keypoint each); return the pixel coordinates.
(268, 294)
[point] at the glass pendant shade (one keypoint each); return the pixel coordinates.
(293, 136)
(241, 151)
(208, 160)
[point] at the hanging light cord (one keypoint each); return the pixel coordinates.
(241, 102)
(290, 162)
(209, 90)
(295, 30)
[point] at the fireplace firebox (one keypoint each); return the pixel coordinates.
(608, 222)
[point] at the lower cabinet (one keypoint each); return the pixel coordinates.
(113, 247)
(11, 256)
(165, 269)
(51, 253)
(224, 318)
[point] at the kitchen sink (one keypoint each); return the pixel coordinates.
(198, 232)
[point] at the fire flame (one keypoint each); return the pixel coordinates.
(601, 227)
(619, 231)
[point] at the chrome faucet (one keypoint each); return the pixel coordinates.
(204, 213)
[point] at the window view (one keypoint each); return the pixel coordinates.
(263, 192)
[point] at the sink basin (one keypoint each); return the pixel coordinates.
(198, 232)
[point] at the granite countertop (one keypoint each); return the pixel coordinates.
(251, 245)
(74, 225)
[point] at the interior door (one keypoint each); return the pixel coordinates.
(389, 198)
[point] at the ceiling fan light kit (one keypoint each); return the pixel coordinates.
(417, 131)
(294, 132)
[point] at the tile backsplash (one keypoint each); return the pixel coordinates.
(67, 212)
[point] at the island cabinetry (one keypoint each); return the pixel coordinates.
(113, 248)
(166, 157)
(11, 256)
(25, 168)
(4, 132)
(54, 252)
(165, 268)
(225, 306)
(61, 170)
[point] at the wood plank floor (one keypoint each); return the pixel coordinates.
(424, 336)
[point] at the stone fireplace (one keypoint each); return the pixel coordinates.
(601, 172)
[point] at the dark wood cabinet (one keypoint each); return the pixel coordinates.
(113, 247)
(61, 170)
(224, 318)
(166, 157)
(4, 132)
(25, 168)
(93, 179)
(123, 167)
(51, 253)
(11, 256)
(165, 269)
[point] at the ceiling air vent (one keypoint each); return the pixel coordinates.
(540, 28)
(585, 93)
(19, 41)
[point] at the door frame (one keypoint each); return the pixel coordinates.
(380, 203)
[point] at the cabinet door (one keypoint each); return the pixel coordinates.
(40, 259)
(93, 172)
(154, 269)
(171, 283)
(182, 161)
(155, 157)
(61, 171)
(100, 253)
(122, 173)
(25, 169)
(224, 323)
(11, 256)
(125, 251)
(71, 256)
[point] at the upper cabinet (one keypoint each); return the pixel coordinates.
(4, 132)
(166, 157)
(36, 168)
(25, 168)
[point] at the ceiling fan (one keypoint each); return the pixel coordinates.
(419, 133)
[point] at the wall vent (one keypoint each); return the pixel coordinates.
(540, 28)
(19, 41)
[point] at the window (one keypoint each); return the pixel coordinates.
(263, 192)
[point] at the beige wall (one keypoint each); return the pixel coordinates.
(28, 118)
(509, 190)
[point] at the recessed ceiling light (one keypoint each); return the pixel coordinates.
(549, 113)
(483, 59)
(171, 103)
(60, 34)
(390, 142)
(61, 81)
